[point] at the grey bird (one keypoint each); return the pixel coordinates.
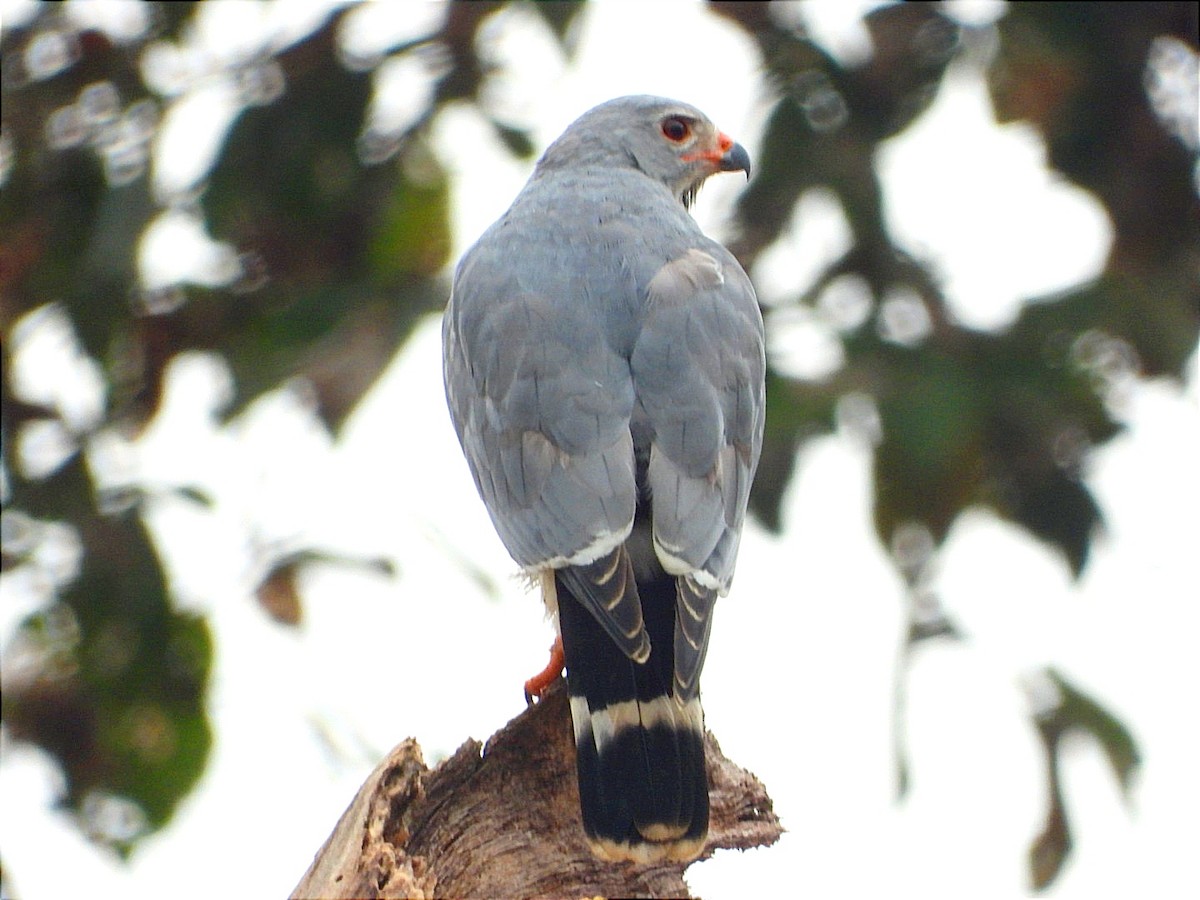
(604, 367)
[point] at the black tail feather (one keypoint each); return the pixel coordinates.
(643, 783)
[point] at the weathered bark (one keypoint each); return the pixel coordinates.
(503, 821)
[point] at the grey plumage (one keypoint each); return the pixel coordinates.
(604, 369)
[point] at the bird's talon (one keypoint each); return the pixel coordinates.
(536, 686)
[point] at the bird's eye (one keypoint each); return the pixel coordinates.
(676, 129)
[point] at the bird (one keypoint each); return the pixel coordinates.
(604, 368)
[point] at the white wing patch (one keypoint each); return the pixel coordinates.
(603, 545)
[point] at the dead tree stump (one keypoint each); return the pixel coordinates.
(502, 820)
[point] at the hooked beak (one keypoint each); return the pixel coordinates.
(736, 159)
(726, 156)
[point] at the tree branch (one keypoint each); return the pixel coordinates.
(502, 820)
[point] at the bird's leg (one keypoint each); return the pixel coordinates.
(537, 685)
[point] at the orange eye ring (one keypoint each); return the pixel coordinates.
(676, 129)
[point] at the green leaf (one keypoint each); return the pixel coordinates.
(795, 412)
(115, 683)
(560, 15)
(517, 140)
(72, 221)
(412, 234)
(1071, 710)
(1079, 711)
(927, 464)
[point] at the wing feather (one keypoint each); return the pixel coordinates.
(542, 407)
(698, 374)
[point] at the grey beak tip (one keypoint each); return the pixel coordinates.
(736, 159)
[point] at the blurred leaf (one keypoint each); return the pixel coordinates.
(196, 495)
(517, 140)
(1081, 712)
(824, 129)
(1062, 512)
(1051, 847)
(913, 44)
(793, 415)
(173, 16)
(1042, 419)
(412, 234)
(926, 466)
(1060, 709)
(112, 681)
(1005, 420)
(823, 132)
(77, 199)
(343, 252)
(261, 198)
(460, 38)
(278, 593)
(1077, 72)
(1049, 850)
(560, 15)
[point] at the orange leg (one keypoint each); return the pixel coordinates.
(537, 685)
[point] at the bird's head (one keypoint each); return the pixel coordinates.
(671, 142)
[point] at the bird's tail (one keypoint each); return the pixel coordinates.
(643, 783)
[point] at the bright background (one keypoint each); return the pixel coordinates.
(808, 637)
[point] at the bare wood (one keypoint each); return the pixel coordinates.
(503, 821)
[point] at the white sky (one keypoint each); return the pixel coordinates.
(798, 683)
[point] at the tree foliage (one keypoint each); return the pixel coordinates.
(340, 237)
